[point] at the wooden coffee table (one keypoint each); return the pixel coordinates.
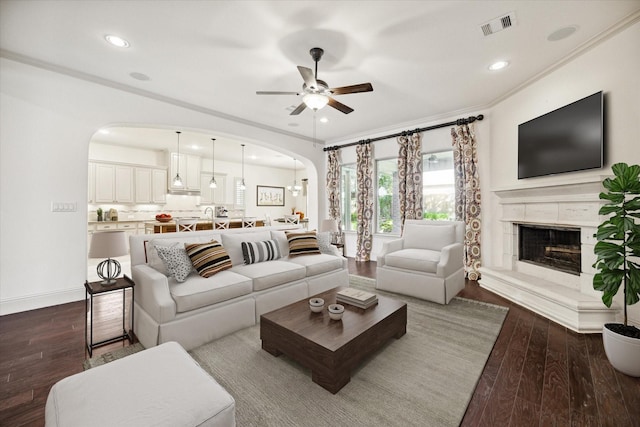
(331, 348)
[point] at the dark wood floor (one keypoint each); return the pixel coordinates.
(539, 373)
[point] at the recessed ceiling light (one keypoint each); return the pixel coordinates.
(116, 41)
(293, 125)
(324, 120)
(498, 65)
(195, 147)
(140, 76)
(103, 132)
(562, 33)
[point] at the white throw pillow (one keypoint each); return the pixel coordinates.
(176, 260)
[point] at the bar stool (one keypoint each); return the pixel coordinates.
(248, 222)
(221, 224)
(186, 224)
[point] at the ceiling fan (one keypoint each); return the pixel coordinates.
(316, 93)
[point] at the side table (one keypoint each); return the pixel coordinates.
(96, 288)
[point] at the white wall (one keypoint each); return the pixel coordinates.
(46, 124)
(613, 67)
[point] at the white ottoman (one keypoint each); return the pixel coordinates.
(160, 386)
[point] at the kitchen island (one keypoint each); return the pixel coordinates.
(151, 227)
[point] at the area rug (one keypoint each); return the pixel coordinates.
(425, 378)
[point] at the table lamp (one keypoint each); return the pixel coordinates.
(331, 226)
(108, 244)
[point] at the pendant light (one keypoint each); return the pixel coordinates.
(177, 181)
(242, 185)
(213, 183)
(295, 188)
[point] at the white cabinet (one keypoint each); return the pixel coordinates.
(143, 185)
(91, 196)
(113, 183)
(159, 186)
(151, 185)
(212, 196)
(190, 167)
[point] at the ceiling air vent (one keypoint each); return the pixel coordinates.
(499, 24)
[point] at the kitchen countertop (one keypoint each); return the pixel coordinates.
(119, 221)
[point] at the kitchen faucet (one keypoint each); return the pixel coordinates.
(207, 210)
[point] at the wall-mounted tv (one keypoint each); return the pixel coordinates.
(568, 139)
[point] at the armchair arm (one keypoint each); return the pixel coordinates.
(451, 259)
(387, 248)
(152, 293)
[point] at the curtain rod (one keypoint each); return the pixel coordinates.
(457, 122)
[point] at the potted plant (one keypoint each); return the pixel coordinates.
(617, 262)
(99, 214)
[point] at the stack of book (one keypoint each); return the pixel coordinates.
(357, 298)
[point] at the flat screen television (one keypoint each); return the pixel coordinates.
(568, 139)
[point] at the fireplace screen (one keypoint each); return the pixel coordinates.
(553, 247)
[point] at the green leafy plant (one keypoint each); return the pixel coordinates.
(618, 245)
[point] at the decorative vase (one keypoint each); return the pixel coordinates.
(623, 352)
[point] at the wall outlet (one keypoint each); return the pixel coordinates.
(64, 206)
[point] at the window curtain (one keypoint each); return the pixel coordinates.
(333, 185)
(467, 195)
(364, 182)
(410, 176)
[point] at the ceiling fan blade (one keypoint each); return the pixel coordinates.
(299, 109)
(339, 106)
(270, 92)
(362, 87)
(309, 78)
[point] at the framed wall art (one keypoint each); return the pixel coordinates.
(269, 196)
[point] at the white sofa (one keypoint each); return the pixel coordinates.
(427, 262)
(200, 309)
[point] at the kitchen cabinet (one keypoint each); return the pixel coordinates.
(151, 185)
(113, 183)
(159, 186)
(212, 196)
(91, 196)
(190, 167)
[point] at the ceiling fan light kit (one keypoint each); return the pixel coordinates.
(317, 93)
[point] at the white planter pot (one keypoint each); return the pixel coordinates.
(623, 352)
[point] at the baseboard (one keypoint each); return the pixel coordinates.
(32, 302)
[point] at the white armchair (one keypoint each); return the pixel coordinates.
(427, 262)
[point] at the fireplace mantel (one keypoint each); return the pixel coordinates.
(567, 299)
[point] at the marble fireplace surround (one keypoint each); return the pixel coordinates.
(565, 298)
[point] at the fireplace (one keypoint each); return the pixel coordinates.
(550, 246)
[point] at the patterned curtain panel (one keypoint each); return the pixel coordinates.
(410, 176)
(364, 182)
(333, 185)
(467, 193)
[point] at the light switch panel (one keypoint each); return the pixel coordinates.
(64, 206)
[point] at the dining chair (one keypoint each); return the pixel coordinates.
(292, 219)
(248, 222)
(186, 224)
(221, 224)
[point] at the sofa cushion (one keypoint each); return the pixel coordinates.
(424, 260)
(302, 243)
(325, 246)
(433, 237)
(208, 258)
(254, 252)
(283, 243)
(177, 262)
(233, 243)
(273, 273)
(151, 254)
(317, 263)
(201, 291)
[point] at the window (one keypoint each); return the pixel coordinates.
(438, 192)
(238, 196)
(349, 191)
(438, 183)
(388, 206)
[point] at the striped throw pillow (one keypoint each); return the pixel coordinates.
(208, 258)
(260, 251)
(302, 243)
